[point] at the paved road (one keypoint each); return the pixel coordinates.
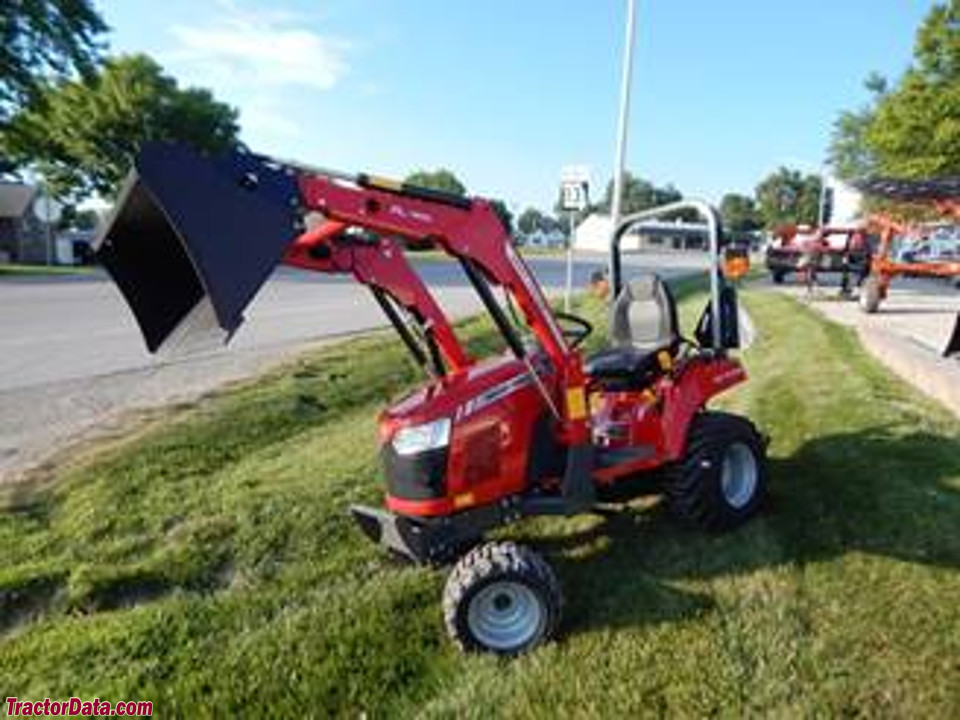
(71, 359)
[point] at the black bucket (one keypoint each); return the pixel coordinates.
(193, 238)
(953, 346)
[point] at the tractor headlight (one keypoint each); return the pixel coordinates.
(418, 438)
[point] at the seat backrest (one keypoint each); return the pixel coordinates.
(644, 315)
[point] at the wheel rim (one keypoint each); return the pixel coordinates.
(505, 616)
(738, 479)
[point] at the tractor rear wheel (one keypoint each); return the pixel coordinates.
(501, 598)
(722, 480)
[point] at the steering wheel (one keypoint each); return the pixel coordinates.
(576, 335)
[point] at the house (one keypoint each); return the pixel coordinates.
(540, 239)
(22, 236)
(840, 203)
(593, 234)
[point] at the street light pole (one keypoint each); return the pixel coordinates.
(619, 160)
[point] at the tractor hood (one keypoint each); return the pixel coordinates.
(192, 239)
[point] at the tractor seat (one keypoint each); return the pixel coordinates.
(643, 324)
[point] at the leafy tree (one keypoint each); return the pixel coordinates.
(916, 132)
(787, 196)
(83, 134)
(75, 219)
(638, 195)
(440, 179)
(40, 38)
(912, 130)
(739, 213)
(503, 212)
(531, 220)
(848, 154)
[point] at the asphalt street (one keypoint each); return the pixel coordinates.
(72, 362)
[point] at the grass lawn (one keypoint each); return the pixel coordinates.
(16, 270)
(208, 562)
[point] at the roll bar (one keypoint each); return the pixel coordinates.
(712, 229)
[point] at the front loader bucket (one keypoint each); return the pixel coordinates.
(953, 347)
(192, 238)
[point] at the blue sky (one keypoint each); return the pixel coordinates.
(506, 93)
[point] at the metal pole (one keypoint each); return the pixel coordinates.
(49, 228)
(569, 286)
(821, 219)
(712, 228)
(620, 158)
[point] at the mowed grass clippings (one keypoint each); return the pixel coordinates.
(209, 565)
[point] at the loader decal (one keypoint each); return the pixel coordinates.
(494, 394)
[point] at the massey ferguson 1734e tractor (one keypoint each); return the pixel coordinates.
(539, 430)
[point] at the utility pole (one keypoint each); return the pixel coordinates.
(620, 158)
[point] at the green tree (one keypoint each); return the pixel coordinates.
(439, 179)
(739, 213)
(503, 212)
(43, 38)
(638, 195)
(912, 130)
(83, 134)
(531, 220)
(76, 219)
(848, 154)
(787, 196)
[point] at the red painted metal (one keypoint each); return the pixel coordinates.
(658, 417)
(495, 406)
(889, 226)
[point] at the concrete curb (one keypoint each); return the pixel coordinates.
(935, 376)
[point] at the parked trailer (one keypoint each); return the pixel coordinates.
(939, 194)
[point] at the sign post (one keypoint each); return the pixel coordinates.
(574, 194)
(48, 211)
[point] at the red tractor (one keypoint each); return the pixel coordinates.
(538, 430)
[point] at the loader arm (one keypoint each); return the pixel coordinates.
(380, 265)
(194, 237)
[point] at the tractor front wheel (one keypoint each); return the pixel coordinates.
(501, 598)
(722, 480)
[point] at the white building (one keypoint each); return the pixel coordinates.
(842, 203)
(540, 239)
(593, 234)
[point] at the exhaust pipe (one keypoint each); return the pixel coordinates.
(192, 239)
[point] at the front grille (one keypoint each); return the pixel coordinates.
(483, 455)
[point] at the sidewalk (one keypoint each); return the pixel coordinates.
(907, 335)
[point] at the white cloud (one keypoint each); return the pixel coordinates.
(259, 48)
